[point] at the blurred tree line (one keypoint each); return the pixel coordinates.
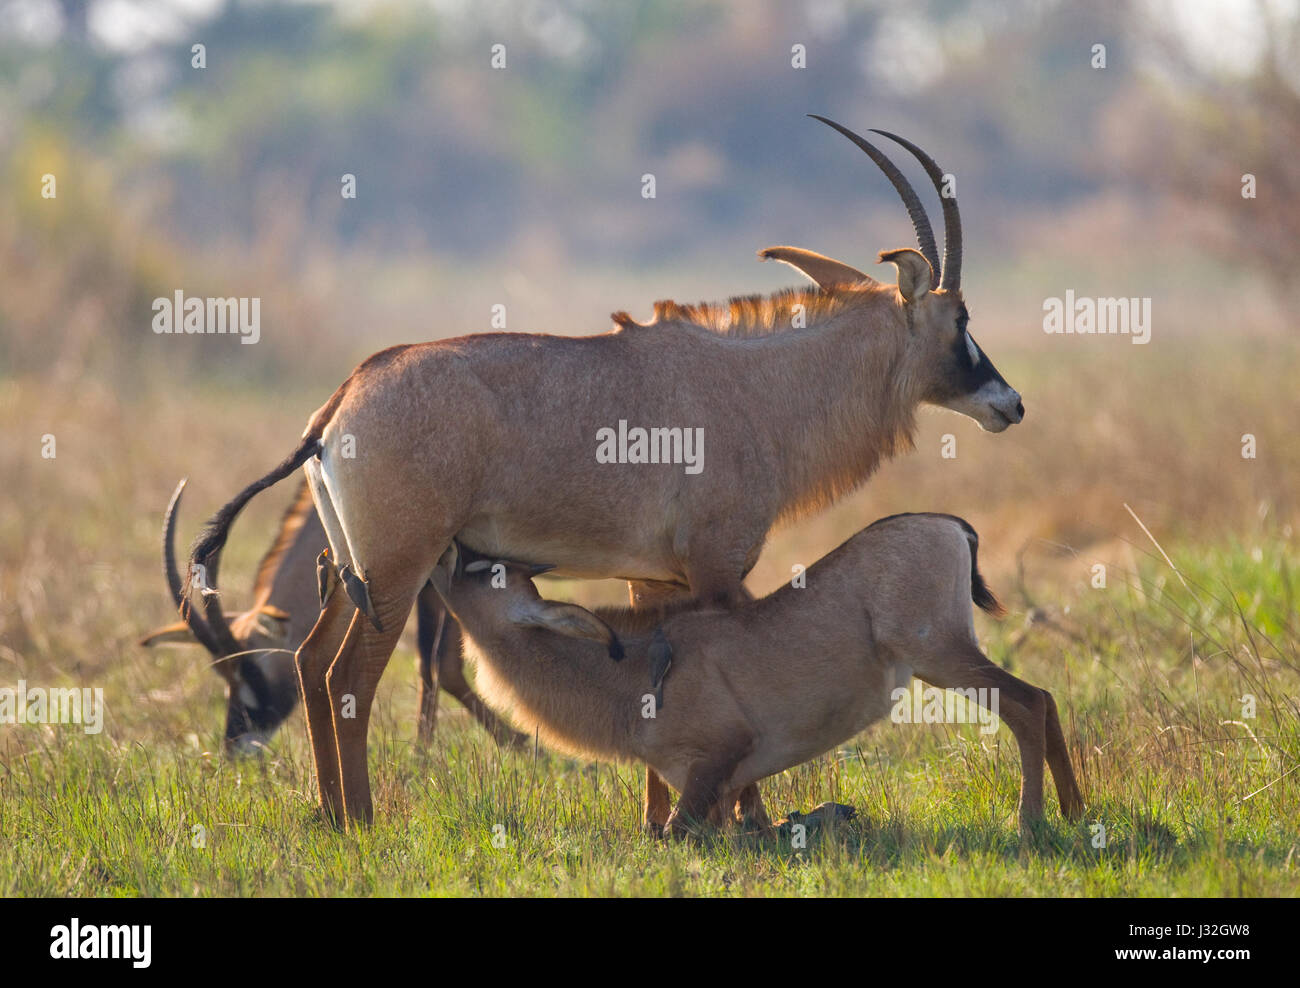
(243, 158)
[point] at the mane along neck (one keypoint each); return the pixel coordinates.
(828, 400)
(748, 316)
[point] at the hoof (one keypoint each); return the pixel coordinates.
(680, 832)
(826, 813)
(834, 812)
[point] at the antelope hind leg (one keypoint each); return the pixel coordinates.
(1058, 760)
(1022, 706)
(351, 682)
(313, 660)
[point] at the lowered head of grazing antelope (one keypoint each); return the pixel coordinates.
(257, 659)
(942, 362)
(251, 651)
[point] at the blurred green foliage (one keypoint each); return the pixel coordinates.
(175, 176)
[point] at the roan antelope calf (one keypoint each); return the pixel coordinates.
(754, 690)
(253, 650)
(496, 440)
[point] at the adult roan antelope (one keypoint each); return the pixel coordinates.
(493, 439)
(253, 650)
(746, 692)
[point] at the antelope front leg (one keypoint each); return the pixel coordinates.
(750, 812)
(700, 798)
(737, 809)
(656, 805)
(714, 585)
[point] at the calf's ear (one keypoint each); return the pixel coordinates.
(569, 620)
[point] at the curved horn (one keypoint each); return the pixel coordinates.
(225, 639)
(920, 222)
(950, 280)
(173, 574)
(170, 569)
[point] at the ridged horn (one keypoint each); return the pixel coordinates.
(173, 574)
(916, 211)
(950, 280)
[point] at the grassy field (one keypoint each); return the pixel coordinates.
(1197, 792)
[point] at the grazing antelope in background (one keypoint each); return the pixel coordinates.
(757, 689)
(493, 439)
(253, 651)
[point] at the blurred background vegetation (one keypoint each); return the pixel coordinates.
(522, 186)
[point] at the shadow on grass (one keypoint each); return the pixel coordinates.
(893, 843)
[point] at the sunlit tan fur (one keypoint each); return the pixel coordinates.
(492, 439)
(764, 686)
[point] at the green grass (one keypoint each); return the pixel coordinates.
(1148, 674)
(1196, 797)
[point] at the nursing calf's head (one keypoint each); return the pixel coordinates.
(486, 594)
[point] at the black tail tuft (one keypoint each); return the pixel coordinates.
(214, 535)
(980, 593)
(984, 598)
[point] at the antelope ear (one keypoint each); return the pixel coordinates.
(825, 271)
(569, 620)
(170, 634)
(914, 274)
